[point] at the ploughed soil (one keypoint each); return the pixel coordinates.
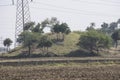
(61, 72)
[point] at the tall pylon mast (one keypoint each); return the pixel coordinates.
(22, 17)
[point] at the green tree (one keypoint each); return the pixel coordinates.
(118, 21)
(28, 26)
(64, 29)
(44, 43)
(91, 27)
(113, 27)
(28, 39)
(7, 42)
(38, 28)
(49, 23)
(56, 29)
(105, 28)
(116, 36)
(93, 41)
(61, 29)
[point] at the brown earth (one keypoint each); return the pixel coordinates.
(71, 72)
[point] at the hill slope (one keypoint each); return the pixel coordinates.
(60, 48)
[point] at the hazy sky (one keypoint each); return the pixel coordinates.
(77, 13)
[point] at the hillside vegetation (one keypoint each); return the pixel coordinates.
(62, 42)
(66, 48)
(58, 48)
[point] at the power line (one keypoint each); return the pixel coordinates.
(55, 6)
(6, 5)
(12, 3)
(51, 5)
(88, 2)
(116, 2)
(71, 9)
(71, 12)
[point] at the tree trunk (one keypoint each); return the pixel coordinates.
(91, 49)
(97, 50)
(116, 44)
(47, 49)
(7, 49)
(57, 36)
(43, 50)
(63, 36)
(29, 50)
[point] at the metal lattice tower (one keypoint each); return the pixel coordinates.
(22, 17)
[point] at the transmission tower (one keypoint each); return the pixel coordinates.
(22, 17)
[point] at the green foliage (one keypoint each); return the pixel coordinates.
(93, 40)
(56, 28)
(28, 26)
(105, 28)
(49, 23)
(118, 21)
(61, 28)
(44, 23)
(113, 26)
(38, 28)
(44, 42)
(110, 28)
(91, 27)
(28, 39)
(7, 42)
(116, 36)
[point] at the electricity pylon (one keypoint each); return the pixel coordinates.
(22, 17)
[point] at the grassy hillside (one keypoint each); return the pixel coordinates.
(60, 48)
(67, 46)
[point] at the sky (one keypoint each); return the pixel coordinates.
(78, 14)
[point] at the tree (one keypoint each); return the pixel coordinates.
(44, 43)
(49, 23)
(48, 44)
(7, 42)
(61, 28)
(105, 28)
(53, 21)
(113, 27)
(38, 28)
(27, 39)
(56, 30)
(64, 29)
(45, 23)
(118, 21)
(91, 27)
(116, 36)
(92, 24)
(93, 41)
(28, 26)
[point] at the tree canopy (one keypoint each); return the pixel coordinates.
(7, 42)
(44, 42)
(93, 40)
(116, 36)
(27, 39)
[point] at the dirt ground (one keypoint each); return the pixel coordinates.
(66, 72)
